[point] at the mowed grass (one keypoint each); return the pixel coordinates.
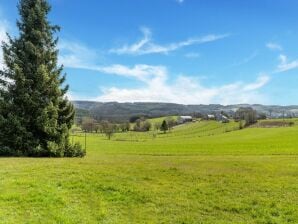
(204, 172)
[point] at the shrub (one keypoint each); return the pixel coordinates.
(75, 150)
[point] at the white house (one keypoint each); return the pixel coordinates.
(211, 117)
(223, 118)
(184, 119)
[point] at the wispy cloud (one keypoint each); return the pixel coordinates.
(262, 80)
(184, 89)
(141, 72)
(274, 46)
(187, 90)
(76, 55)
(192, 55)
(147, 46)
(246, 60)
(155, 83)
(285, 64)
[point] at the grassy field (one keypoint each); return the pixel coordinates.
(204, 172)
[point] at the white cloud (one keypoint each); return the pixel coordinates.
(155, 84)
(75, 55)
(147, 46)
(286, 65)
(141, 72)
(260, 82)
(185, 90)
(274, 46)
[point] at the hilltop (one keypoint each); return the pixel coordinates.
(123, 111)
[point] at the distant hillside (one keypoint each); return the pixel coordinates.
(123, 111)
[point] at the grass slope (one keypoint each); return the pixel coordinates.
(199, 173)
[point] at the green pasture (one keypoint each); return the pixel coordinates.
(203, 172)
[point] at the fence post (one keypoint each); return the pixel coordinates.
(85, 141)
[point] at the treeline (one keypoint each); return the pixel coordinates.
(139, 124)
(89, 124)
(120, 112)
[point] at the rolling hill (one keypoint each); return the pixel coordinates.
(123, 111)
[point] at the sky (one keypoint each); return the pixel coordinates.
(177, 51)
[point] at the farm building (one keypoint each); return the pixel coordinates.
(218, 117)
(211, 117)
(222, 118)
(184, 119)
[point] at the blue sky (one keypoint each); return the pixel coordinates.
(190, 52)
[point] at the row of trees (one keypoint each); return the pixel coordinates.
(90, 125)
(142, 125)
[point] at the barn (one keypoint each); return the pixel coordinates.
(184, 119)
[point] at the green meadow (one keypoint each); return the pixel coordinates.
(202, 172)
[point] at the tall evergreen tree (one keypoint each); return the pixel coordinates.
(164, 126)
(35, 115)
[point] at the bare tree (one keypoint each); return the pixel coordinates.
(88, 124)
(157, 126)
(247, 114)
(171, 123)
(108, 129)
(142, 125)
(124, 127)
